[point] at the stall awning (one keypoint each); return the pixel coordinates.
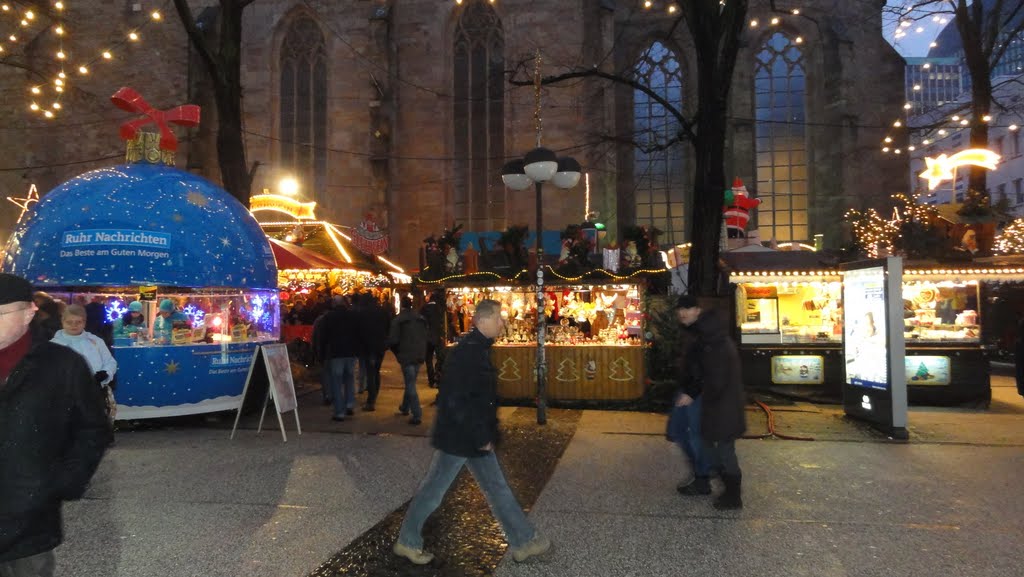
(293, 256)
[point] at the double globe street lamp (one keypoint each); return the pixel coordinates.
(540, 165)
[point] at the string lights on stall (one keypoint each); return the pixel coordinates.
(45, 98)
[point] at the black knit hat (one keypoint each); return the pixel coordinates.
(687, 302)
(14, 289)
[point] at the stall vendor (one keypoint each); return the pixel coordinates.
(166, 321)
(131, 323)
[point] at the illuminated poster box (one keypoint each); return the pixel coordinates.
(798, 370)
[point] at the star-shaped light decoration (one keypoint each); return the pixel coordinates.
(171, 367)
(225, 242)
(197, 199)
(941, 169)
(24, 203)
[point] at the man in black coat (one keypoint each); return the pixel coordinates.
(715, 372)
(53, 432)
(373, 321)
(437, 335)
(465, 433)
(339, 347)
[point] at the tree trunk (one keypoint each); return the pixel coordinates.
(228, 86)
(970, 23)
(716, 31)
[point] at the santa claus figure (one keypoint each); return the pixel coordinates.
(737, 212)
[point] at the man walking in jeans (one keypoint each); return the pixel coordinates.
(408, 337)
(465, 432)
(340, 348)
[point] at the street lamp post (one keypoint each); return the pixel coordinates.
(540, 165)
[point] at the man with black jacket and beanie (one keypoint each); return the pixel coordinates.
(53, 432)
(465, 433)
(714, 369)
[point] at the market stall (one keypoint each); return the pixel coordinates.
(790, 327)
(190, 254)
(594, 343)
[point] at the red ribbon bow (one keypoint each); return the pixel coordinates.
(130, 100)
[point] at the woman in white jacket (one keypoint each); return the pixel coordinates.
(91, 347)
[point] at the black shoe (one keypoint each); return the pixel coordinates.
(731, 498)
(698, 486)
(368, 408)
(337, 418)
(327, 401)
(349, 412)
(415, 421)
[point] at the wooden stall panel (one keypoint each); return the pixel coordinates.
(574, 373)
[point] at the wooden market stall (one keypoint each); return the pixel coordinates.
(594, 345)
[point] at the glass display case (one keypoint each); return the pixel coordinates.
(941, 312)
(789, 312)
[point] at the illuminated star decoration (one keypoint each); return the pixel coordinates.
(171, 367)
(195, 313)
(940, 169)
(33, 196)
(115, 310)
(226, 242)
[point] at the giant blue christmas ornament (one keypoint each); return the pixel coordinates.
(148, 224)
(141, 224)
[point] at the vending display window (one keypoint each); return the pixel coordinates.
(790, 312)
(941, 312)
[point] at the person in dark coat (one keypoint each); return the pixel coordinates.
(684, 422)
(715, 369)
(1019, 355)
(319, 350)
(437, 335)
(465, 433)
(408, 339)
(340, 348)
(47, 320)
(373, 326)
(53, 433)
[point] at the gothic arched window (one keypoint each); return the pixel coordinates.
(780, 103)
(479, 118)
(304, 105)
(658, 166)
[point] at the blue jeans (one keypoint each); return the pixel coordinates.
(343, 392)
(411, 398)
(685, 431)
(488, 474)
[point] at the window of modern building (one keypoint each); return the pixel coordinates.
(1001, 192)
(998, 145)
(303, 105)
(1015, 137)
(1018, 190)
(658, 166)
(781, 140)
(479, 118)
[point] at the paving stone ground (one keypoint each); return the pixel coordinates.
(180, 499)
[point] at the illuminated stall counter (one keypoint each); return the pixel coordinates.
(593, 347)
(152, 233)
(790, 330)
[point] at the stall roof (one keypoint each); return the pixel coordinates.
(291, 256)
(329, 241)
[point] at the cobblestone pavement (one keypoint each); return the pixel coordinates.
(180, 499)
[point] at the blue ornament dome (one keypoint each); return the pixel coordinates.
(141, 224)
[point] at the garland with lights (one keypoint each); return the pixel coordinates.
(1011, 239)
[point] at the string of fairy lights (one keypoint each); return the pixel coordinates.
(45, 97)
(912, 18)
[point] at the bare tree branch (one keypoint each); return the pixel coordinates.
(196, 35)
(687, 125)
